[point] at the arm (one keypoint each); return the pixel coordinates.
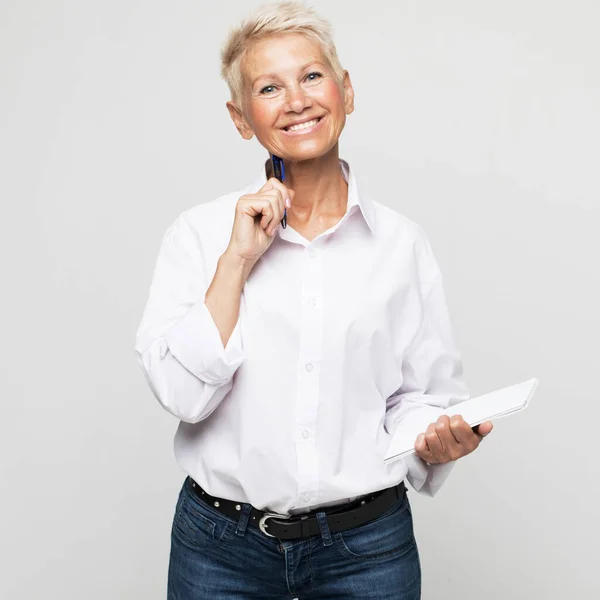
(189, 342)
(432, 376)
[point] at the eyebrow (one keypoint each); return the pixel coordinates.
(274, 75)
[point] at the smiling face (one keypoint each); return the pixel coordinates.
(292, 100)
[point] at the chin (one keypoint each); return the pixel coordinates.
(305, 151)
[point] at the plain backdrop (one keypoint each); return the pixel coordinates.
(478, 120)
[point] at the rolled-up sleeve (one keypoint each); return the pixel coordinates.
(432, 377)
(178, 344)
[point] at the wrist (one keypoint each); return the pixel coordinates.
(235, 265)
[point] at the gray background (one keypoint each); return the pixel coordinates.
(478, 120)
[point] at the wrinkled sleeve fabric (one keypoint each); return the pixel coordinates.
(432, 375)
(178, 345)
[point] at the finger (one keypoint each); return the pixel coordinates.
(267, 210)
(485, 428)
(276, 197)
(422, 449)
(268, 205)
(477, 431)
(421, 443)
(452, 448)
(274, 184)
(255, 205)
(278, 207)
(463, 433)
(434, 442)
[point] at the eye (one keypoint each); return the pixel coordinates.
(268, 89)
(311, 78)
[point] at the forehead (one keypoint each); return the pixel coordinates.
(281, 54)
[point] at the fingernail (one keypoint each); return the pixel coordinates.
(288, 203)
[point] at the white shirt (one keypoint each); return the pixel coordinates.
(338, 340)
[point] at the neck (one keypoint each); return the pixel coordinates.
(320, 188)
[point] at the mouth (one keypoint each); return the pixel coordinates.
(304, 128)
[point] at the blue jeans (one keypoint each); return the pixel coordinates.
(214, 557)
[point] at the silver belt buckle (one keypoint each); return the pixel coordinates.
(263, 525)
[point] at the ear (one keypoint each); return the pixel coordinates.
(239, 120)
(348, 94)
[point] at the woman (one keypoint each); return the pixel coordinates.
(290, 355)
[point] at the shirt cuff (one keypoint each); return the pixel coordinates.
(425, 478)
(196, 343)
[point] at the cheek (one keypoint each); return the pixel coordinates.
(331, 97)
(262, 116)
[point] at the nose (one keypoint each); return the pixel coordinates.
(297, 99)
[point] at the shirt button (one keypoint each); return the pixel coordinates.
(312, 302)
(311, 253)
(305, 433)
(306, 497)
(308, 367)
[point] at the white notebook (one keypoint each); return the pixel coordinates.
(487, 407)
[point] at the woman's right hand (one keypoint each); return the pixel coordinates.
(257, 217)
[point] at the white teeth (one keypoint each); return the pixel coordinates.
(306, 125)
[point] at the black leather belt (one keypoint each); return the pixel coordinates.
(306, 525)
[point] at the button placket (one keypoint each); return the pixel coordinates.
(307, 402)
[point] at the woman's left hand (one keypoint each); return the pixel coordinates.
(450, 438)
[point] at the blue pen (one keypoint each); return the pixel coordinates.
(279, 174)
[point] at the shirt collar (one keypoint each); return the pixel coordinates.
(363, 202)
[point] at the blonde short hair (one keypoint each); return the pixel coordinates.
(275, 19)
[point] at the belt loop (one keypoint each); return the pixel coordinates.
(324, 527)
(243, 522)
